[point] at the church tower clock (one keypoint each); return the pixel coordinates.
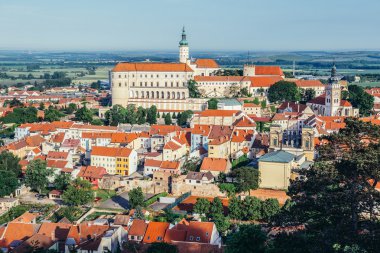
(333, 94)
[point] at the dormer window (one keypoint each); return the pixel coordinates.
(191, 238)
(198, 238)
(206, 233)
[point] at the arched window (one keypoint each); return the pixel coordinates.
(178, 95)
(162, 95)
(137, 94)
(168, 96)
(183, 95)
(157, 94)
(152, 94)
(173, 95)
(147, 94)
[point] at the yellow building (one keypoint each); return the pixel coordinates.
(275, 170)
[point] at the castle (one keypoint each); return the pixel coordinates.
(164, 85)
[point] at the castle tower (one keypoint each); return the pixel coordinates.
(249, 70)
(333, 94)
(183, 48)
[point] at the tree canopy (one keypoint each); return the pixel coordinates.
(246, 178)
(37, 175)
(8, 182)
(361, 99)
(136, 197)
(78, 193)
(213, 103)
(10, 162)
(283, 91)
(193, 89)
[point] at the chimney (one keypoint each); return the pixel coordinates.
(53, 235)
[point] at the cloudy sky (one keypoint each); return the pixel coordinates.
(211, 24)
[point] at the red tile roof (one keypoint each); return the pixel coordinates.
(219, 113)
(155, 232)
(151, 67)
(111, 151)
(200, 231)
(138, 228)
(221, 79)
(309, 83)
(92, 172)
(206, 63)
(264, 81)
(214, 164)
(268, 71)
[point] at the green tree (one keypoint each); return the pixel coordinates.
(168, 119)
(52, 114)
(246, 178)
(235, 208)
(263, 104)
(216, 208)
(192, 164)
(79, 192)
(308, 94)
(42, 106)
(184, 117)
(136, 197)
(10, 162)
(340, 188)
(212, 104)
(283, 91)
(269, 208)
(71, 108)
(36, 176)
(202, 206)
(8, 182)
(159, 247)
(245, 92)
(151, 116)
(256, 101)
(222, 222)
(229, 188)
(359, 98)
(193, 89)
(248, 239)
(131, 114)
(84, 114)
(251, 208)
(21, 115)
(141, 115)
(62, 181)
(115, 115)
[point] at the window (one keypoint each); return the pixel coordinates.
(206, 233)
(198, 238)
(191, 238)
(159, 238)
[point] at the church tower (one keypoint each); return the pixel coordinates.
(333, 95)
(183, 48)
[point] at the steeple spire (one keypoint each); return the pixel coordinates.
(183, 42)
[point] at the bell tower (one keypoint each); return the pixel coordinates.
(183, 48)
(333, 94)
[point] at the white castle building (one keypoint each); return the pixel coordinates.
(164, 85)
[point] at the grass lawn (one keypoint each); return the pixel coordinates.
(104, 195)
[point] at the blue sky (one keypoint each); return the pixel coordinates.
(211, 24)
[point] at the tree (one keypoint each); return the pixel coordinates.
(192, 164)
(263, 104)
(62, 181)
(79, 192)
(248, 239)
(246, 178)
(151, 116)
(202, 206)
(10, 162)
(21, 115)
(213, 104)
(184, 117)
(168, 119)
(193, 89)
(52, 114)
(139, 213)
(141, 115)
(222, 222)
(131, 114)
(36, 176)
(115, 115)
(71, 108)
(339, 200)
(256, 101)
(136, 197)
(235, 208)
(229, 188)
(269, 208)
(8, 183)
(308, 95)
(251, 208)
(159, 247)
(283, 91)
(361, 99)
(84, 114)
(41, 106)
(245, 92)
(216, 208)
